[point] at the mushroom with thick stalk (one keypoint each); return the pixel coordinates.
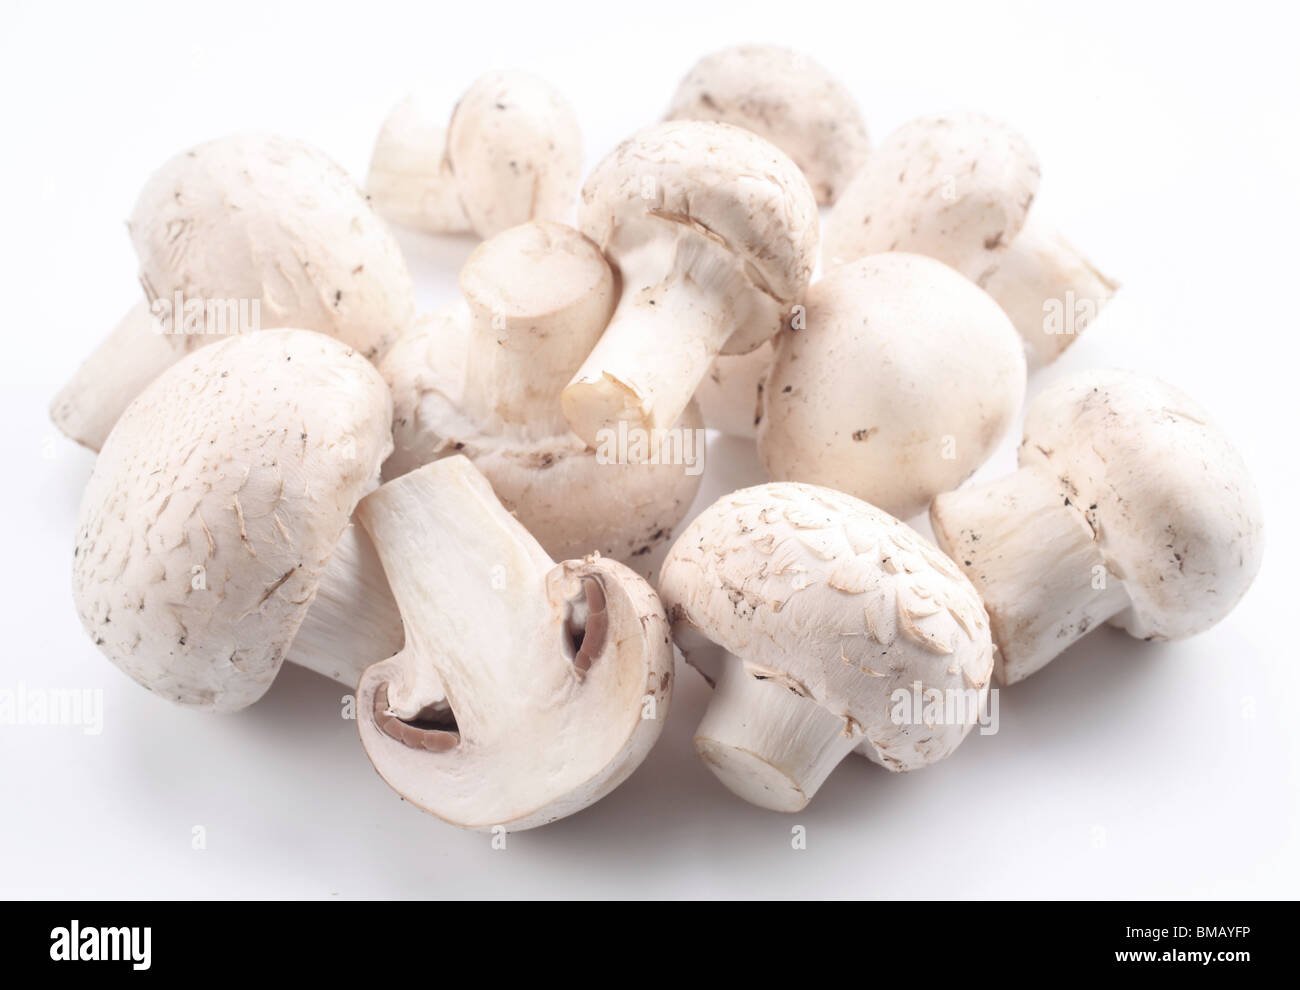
(511, 153)
(557, 676)
(903, 382)
(483, 379)
(214, 539)
(1129, 507)
(785, 98)
(818, 618)
(959, 188)
(235, 235)
(730, 395)
(713, 232)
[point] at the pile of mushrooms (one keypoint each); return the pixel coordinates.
(438, 510)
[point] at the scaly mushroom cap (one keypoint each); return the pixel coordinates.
(727, 184)
(903, 382)
(558, 676)
(266, 219)
(836, 601)
(785, 98)
(955, 187)
(516, 150)
(1173, 508)
(215, 506)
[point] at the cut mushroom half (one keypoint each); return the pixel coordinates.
(1130, 507)
(785, 98)
(483, 378)
(557, 676)
(903, 382)
(809, 611)
(959, 188)
(511, 153)
(232, 236)
(713, 232)
(214, 539)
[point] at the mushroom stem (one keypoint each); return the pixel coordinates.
(672, 319)
(469, 613)
(517, 366)
(354, 620)
(118, 370)
(766, 743)
(1034, 557)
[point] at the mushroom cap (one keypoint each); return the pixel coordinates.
(516, 149)
(265, 218)
(902, 384)
(955, 187)
(726, 183)
(783, 97)
(1175, 512)
(836, 600)
(215, 506)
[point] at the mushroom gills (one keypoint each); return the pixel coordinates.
(433, 728)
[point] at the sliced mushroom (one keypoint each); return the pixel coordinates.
(1129, 507)
(713, 232)
(483, 379)
(808, 610)
(903, 382)
(214, 539)
(558, 676)
(511, 153)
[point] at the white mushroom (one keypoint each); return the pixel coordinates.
(959, 188)
(809, 611)
(511, 153)
(902, 383)
(214, 537)
(483, 379)
(730, 395)
(1129, 507)
(234, 235)
(558, 676)
(785, 98)
(713, 232)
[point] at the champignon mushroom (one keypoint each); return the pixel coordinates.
(511, 153)
(808, 610)
(904, 380)
(253, 231)
(558, 676)
(959, 188)
(483, 379)
(783, 97)
(730, 395)
(1129, 507)
(214, 538)
(713, 232)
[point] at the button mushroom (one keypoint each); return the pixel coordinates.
(558, 676)
(253, 231)
(483, 379)
(808, 610)
(511, 153)
(786, 98)
(1129, 507)
(900, 387)
(730, 395)
(959, 188)
(713, 232)
(213, 539)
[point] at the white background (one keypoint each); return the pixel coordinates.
(1168, 139)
